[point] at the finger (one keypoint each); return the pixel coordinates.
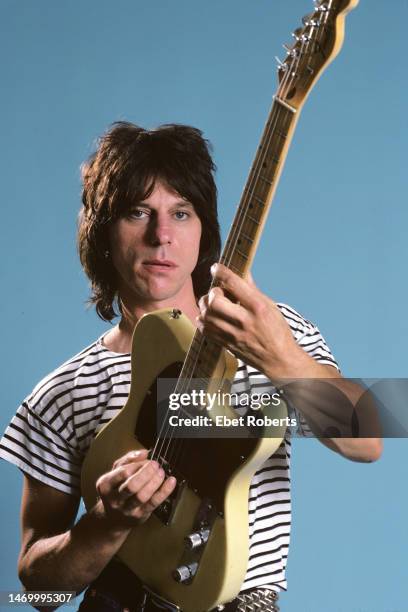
(137, 481)
(161, 494)
(203, 303)
(220, 307)
(110, 481)
(221, 331)
(237, 287)
(215, 293)
(134, 455)
(142, 494)
(206, 300)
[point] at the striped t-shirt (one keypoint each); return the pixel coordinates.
(50, 434)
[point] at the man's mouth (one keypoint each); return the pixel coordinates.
(160, 264)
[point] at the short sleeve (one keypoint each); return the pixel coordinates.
(50, 434)
(40, 451)
(308, 336)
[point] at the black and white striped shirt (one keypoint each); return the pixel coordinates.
(50, 434)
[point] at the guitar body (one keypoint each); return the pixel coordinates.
(213, 482)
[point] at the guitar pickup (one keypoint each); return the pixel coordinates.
(165, 511)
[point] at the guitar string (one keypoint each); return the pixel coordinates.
(258, 164)
(200, 340)
(188, 370)
(176, 448)
(306, 42)
(237, 229)
(238, 224)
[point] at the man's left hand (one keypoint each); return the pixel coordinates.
(241, 318)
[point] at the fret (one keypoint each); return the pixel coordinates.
(257, 199)
(246, 237)
(235, 269)
(251, 218)
(202, 381)
(281, 134)
(266, 180)
(194, 347)
(241, 253)
(197, 368)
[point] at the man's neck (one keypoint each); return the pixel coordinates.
(119, 339)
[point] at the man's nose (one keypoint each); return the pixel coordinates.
(159, 232)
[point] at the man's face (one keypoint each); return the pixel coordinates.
(155, 248)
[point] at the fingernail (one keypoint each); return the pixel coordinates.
(214, 268)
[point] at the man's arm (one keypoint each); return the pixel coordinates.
(57, 555)
(340, 413)
(252, 327)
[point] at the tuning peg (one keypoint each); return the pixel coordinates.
(281, 65)
(291, 51)
(310, 20)
(297, 34)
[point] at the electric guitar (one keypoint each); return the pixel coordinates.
(188, 551)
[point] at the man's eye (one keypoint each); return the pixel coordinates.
(181, 214)
(137, 213)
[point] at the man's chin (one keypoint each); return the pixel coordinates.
(160, 295)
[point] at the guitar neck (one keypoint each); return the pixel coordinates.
(259, 190)
(316, 44)
(248, 223)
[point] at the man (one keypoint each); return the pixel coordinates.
(148, 235)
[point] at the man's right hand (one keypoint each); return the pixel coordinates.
(133, 488)
(55, 552)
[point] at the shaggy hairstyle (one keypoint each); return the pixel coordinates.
(123, 171)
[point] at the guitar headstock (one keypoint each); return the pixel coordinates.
(316, 44)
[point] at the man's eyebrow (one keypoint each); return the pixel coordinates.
(180, 203)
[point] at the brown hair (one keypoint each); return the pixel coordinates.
(122, 171)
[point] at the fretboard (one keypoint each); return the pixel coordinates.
(259, 189)
(248, 224)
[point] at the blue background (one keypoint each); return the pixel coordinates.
(335, 245)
